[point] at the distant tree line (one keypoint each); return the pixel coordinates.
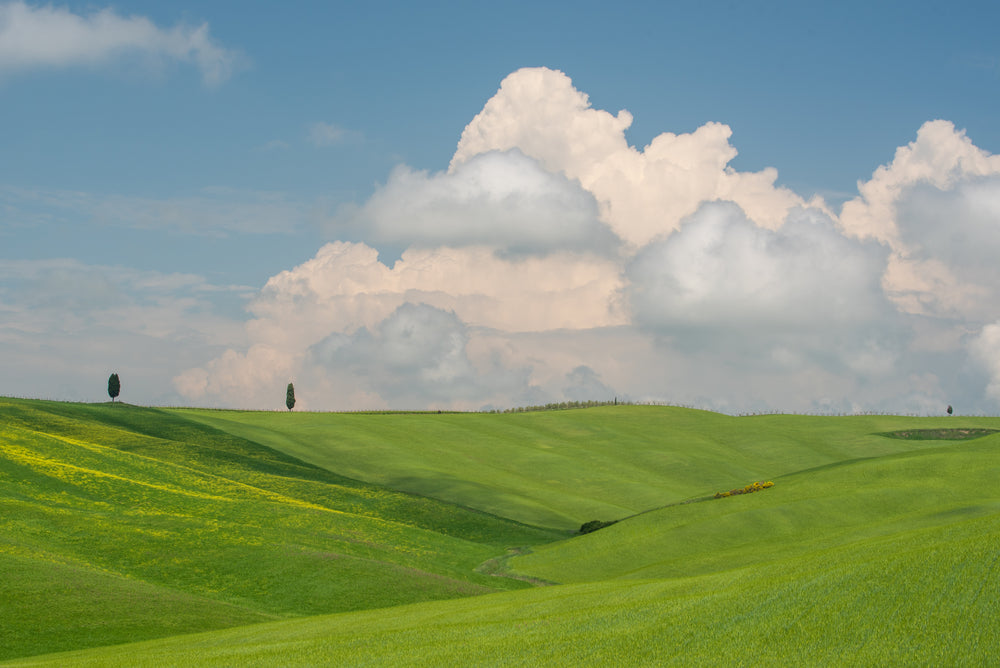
(562, 406)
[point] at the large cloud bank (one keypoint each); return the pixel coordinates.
(554, 261)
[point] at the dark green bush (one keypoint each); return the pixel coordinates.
(594, 525)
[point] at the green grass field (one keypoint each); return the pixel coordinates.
(119, 523)
(563, 468)
(122, 524)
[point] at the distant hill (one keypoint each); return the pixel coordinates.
(564, 468)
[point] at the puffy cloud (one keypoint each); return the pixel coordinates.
(345, 299)
(726, 291)
(642, 194)
(416, 357)
(779, 296)
(935, 205)
(250, 379)
(959, 225)
(950, 238)
(584, 384)
(37, 36)
(502, 200)
(940, 156)
(985, 349)
(346, 286)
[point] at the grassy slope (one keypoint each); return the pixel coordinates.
(929, 597)
(868, 550)
(118, 523)
(563, 468)
(858, 502)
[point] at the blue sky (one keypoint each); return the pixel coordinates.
(163, 164)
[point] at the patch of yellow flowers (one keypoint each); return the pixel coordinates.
(749, 489)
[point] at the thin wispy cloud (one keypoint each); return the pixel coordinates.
(328, 134)
(209, 212)
(45, 36)
(64, 323)
(275, 145)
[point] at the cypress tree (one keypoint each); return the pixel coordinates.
(114, 386)
(290, 396)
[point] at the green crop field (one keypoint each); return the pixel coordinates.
(249, 538)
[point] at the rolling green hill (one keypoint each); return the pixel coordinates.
(874, 547)
(563, 468)
(119, 523)
(859, 502)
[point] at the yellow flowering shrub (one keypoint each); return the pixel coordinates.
(748, 489)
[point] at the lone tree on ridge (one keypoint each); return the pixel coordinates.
(114, 386)
(290, 396)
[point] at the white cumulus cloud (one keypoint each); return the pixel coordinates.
(803, 291)
(552, 261)
(416, 357)
(940, 156)
(935, 205)
(985, 350)
(503, 200)
(346, 287)
(642, 193)
(346, 297)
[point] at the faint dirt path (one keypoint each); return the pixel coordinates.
(499, 567)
